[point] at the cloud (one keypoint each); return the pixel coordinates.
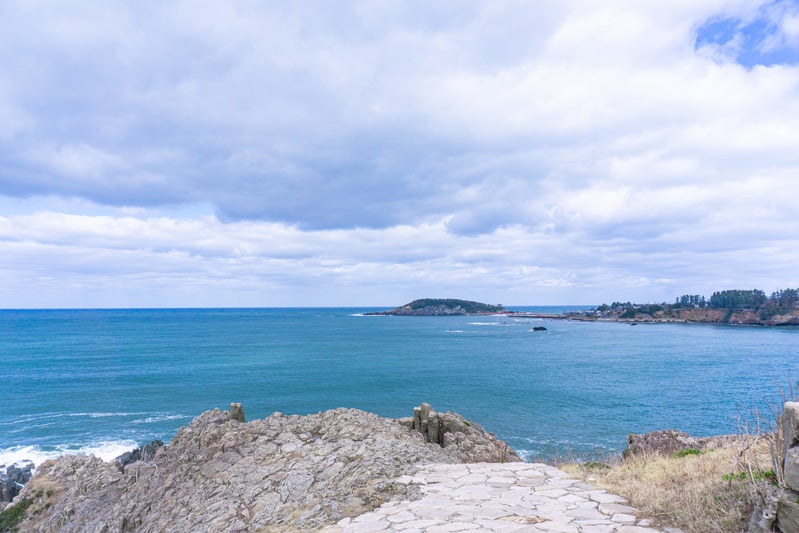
(562, 146)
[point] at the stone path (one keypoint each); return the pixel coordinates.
(508, 497)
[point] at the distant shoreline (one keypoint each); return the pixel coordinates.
(726, 317)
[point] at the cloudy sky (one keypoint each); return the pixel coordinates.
(243, 153)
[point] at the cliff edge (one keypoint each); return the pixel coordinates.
(296, 473)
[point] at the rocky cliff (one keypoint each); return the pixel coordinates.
(737, 317)
(295, 473)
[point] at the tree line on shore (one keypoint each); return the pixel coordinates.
(778, 302)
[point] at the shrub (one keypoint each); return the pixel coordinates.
(13, 516)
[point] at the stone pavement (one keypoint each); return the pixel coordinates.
(507, 497)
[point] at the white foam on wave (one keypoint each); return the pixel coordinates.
(158, 418)
(105, 450)
(104, 415)
(38, 418)
(484, 323)
(526, 455)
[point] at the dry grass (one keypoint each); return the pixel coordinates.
(708, 493)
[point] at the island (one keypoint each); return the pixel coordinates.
(442, 307)
(734, 307)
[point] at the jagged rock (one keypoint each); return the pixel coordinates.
(671, 441)
(13, 480)
(295, 473)
(788, 511)
(787, 507)
(764, 513)
(145, 453)
(236, 411)
(664, 442)
(790, 436)
(469, 442)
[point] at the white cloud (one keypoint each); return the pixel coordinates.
(554, 151)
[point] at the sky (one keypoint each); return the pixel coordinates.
(272, 154)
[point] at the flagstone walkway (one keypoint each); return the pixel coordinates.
(508, 497)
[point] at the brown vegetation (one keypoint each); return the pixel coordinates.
(699, 492)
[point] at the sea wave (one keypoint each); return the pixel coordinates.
(31, 419)
(159, 417)
(104, 414)
(105, 450)
(561, 450)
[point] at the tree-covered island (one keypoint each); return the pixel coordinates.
(740, 307)
(442, 307)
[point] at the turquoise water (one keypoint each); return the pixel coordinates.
(101, 381)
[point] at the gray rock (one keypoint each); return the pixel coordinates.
(764, 513)
(790, 434)
(145, 453)
(236, 411)
(466, 440)
(664, 442)
(788, 512)
(13, 480)
(296, 473)
(671, 441)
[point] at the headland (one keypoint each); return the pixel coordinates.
(342, 470)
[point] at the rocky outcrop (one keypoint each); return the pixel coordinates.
(670, 441)
(767, 315)
(465, 440)
(237, 411)
(13, 480)
(145, 453)
(778, 507)
(280, 473)
(787, 508)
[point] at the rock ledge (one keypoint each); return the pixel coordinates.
(280, 473)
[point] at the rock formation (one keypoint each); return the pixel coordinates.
(280, 473)
(465, 440)
(236, 411)
(13, 480)
(670, 441)
(145, 453)
(786, 500)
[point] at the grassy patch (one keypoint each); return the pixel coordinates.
(695, 492)
(686, 452)
(596, 465)
(765, 475)
(11, 517)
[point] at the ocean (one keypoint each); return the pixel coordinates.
(105, 381)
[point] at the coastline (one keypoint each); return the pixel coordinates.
(344, 468)
(711, 317)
